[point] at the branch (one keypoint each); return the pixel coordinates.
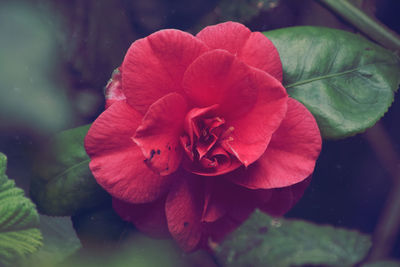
(364, 23)
(388, 227)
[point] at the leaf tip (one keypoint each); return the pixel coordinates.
(3, 163)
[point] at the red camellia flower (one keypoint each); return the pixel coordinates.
(198, 132)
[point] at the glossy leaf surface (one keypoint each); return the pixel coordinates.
(265, 241)
(63, 184)
(346, 81)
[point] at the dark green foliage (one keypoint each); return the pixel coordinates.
(347, 82)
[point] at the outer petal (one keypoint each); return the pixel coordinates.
(117, 162)
(276, 202)
(159, 134)
(252, 132)
(291, 155)
(113, 90)
(253, 48)
(281, 200)
(215, 232)
(184, 208)
(148, 218)
(218, 229)
(224, 198)
(154, 66)
(217, 77)
(214, 206)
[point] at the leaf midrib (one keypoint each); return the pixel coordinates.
(331, 75)
(320, 78)
(68, 169)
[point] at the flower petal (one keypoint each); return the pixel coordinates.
(291, 155)
(218, 77)
(216, 231)
(159, 134)
(154, 66)
(148, 218)
(184, 209)
(117, 162)
(252, 133)
(214, 208)
(253, 48)
(283, 199)
(113, 90)
(226, 198)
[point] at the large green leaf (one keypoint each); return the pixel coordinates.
(265, 241)
(102, 230)
(346, 82)
(62, 183)
(138, 250)
(59, 242)
(19, 220)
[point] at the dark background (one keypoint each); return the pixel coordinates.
(56, 56)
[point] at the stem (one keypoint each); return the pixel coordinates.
(388, 226)
(369, 26)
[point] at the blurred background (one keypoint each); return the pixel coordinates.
(56, 57)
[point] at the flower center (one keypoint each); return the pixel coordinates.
(203, 142)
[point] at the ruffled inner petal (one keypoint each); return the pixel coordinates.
(202, 141)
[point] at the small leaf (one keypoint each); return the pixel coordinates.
(19, 220)
(265, 241)
(63, 184)
(59, 242)
(100, 228)
(347, 82)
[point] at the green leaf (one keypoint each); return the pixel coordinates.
(19, 220)
(138, 250)
(62, 183)
(110, 241)
(59, 242)
(347, 82)
(100, 228)
(265, 241)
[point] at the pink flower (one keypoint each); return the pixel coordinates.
(199, 132)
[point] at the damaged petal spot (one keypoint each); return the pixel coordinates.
(152, 153)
